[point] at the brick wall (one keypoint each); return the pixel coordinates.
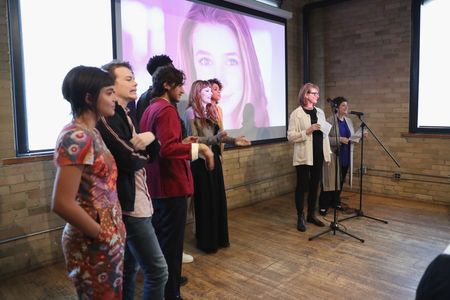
(251, 175)
(360, 49)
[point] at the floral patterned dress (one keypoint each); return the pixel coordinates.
(94, 265)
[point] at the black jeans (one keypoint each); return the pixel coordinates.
(169, 221)
(308, 178)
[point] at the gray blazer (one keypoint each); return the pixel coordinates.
(205, 132)
(328, 177)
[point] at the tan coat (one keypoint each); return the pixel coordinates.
(299, 121)
(329, 170)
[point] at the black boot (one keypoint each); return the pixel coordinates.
(313, 219)
(301, 222)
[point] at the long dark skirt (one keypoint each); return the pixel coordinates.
(210, 205)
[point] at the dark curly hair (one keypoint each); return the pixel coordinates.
(169, 75)
(215, 81)
(338, 100)
(158, 61)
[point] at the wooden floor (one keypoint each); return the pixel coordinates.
(270, 259)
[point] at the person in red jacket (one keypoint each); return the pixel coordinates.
(169, 177)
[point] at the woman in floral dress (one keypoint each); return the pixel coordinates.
(85, 189)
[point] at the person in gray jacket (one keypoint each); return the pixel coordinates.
(345, 131)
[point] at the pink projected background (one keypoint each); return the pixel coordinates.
(252, 70)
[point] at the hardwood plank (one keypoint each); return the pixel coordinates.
(270, 259)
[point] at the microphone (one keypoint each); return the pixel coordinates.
(332, 103)
(358, 113)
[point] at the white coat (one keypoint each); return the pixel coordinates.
(299, 121)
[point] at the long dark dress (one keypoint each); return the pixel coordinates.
(210, 201)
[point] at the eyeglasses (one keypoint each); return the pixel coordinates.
(314, 93)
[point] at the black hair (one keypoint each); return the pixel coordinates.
(113, 65)
(215, 81)
(338, 100)
(81, 81)
(158, 61)
(169, 75)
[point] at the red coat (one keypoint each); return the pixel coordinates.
(170, 174)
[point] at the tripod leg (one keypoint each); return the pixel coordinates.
(349, 234)
(351, 217)
(359, 213)
(320, 234)
(376, 219)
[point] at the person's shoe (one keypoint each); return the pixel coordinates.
(315, 221)
(301, 223)
(339, 207)
(323, 211)
(183, 280)
(187, 258)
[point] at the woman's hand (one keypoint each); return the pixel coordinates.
(221, 135)
(64, 204)
(343, 140)
(313, 128)
(141, 140)
(241, 141)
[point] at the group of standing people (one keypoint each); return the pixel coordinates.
(314, 154)
(122, 182)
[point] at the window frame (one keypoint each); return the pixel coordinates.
(15, 40)
(414, 75)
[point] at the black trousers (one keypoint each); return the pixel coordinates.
(326, 199)
(169, 221)
(308, 178)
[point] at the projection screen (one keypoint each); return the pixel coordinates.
(246, 52)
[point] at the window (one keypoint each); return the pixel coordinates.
(430, 62)
(48, 38)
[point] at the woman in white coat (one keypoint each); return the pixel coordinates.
(311, 148)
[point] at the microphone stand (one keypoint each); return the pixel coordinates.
(359, 212)
(334, 225)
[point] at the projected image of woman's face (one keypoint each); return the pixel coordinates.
(217, 55)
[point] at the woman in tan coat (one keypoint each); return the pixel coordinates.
(311, 148)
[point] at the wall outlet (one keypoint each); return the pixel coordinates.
(397, 176)
(364, 169)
